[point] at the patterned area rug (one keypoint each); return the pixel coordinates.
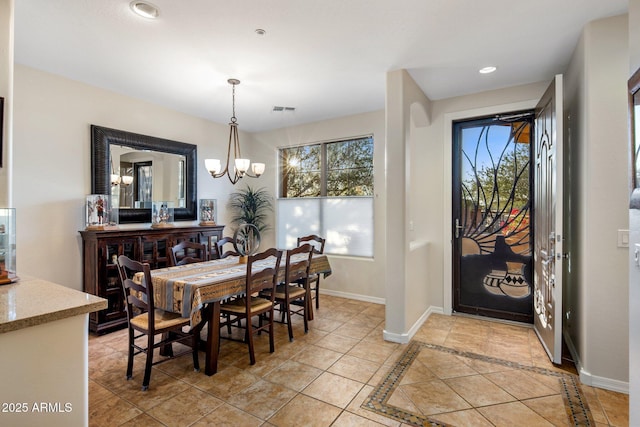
(431, 385)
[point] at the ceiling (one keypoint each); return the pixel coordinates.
(326, 58)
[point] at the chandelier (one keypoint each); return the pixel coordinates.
(240, 165)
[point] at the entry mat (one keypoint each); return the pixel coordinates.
(431, 385)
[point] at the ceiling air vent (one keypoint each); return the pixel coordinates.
(278, 108)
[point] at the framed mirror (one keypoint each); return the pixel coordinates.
(143, 169)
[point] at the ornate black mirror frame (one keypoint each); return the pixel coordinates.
(101, 140)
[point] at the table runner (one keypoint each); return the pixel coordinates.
(185, 289)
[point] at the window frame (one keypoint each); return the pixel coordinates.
(323, 197)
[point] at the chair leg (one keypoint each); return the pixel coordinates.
(196, 343)
(306, 305)
(271, 340)
(149, 364)
(318, 293)
(167, 349)
(130, 358)
(288, 314)
(252, 356)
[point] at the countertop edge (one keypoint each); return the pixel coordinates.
(52, 316)
(32, 302)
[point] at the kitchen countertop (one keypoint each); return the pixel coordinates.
(32, 302)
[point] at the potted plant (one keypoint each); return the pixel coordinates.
(251, 206)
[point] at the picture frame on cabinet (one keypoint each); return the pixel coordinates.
(208, 211)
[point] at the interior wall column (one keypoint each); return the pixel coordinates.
(405, 284)
(395, 185)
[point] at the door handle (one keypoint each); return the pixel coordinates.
(458, 227)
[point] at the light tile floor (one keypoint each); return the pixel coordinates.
(319, 379)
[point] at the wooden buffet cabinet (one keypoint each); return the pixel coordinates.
(151, 245)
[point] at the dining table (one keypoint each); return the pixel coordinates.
(196, 290)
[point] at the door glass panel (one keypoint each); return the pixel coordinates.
(492, 222)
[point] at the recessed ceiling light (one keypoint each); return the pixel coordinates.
(260, 32)
(144, 9)
(487, 70)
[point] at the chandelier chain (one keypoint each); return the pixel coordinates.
(233, 103)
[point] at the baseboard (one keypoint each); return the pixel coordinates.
(404, 338)
(589, 379)
(608, 384)
(358, 297)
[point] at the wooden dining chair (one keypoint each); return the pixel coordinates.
(147, 320)
(226, 241)
(252, 304)
(222, 254)
(291, 294)
(188, 252)
(314, 279)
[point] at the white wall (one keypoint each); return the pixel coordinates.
(52, 168)
(574, 294)
(6, 92)
(353, 277)
(634, 35)
(598, 294)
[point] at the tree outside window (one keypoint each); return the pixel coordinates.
(331, 169)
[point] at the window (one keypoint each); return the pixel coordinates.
(327, 189)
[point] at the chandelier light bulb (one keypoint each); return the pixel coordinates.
(258, 168)
(115, 179)
(242, 165)
(213, 166)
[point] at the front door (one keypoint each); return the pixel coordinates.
(548, 219)
(492, 227)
